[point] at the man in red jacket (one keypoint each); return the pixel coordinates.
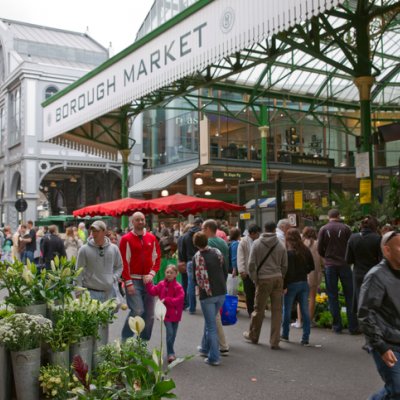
(141, 254)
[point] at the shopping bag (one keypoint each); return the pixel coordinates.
(229, 310)
(232, 285)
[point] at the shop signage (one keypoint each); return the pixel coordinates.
(298, 200)
(245, 216)
(365, 191)
(245, 176)
(313, 161)
(292, 219)
(203, 36)
(362, 165)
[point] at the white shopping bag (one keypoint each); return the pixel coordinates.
(232, 285)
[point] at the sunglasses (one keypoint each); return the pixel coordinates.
(391, 236)
(101, 251)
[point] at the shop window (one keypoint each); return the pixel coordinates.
(15, 117)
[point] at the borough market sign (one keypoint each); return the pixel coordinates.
(218, 29)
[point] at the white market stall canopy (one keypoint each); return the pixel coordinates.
(207, 32)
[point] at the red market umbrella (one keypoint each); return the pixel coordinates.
(184, 204)
(115, 208)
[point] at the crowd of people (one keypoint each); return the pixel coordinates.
(278, 267)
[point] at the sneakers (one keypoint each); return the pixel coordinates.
(284, 339)
(275, 347)
(246, 335)
(224, 352)
(296, 325)
(305, 343)
(214, 363)
(202, 353)
(171, 359)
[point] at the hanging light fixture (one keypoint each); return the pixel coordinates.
(53, 184)
(207, 193)
(164, 193)
(219, 180)
(73, 179)
(198, 181)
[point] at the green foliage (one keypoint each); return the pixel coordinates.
(26, 285)
(348, 205)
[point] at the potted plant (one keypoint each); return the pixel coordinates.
(60, 280)
(22, 335)
(85, 323)
(5, 361)
(61, 336)
(105, 314)
(55, 382)
(25, 286)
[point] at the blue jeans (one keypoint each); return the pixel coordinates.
(171, 329)
(140, 304)
(99, 296)
(391, 377)
(300, 291)
(209, 342)
(191, 287)
(332, 275)
(27, 255)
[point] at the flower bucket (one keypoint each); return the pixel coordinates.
(5, 374)
(84, 348)
(33, 309)
(26, 368)
(60, 358)
(99, 342)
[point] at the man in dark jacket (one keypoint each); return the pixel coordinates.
(186, 251)
(379, 315)
(332, 243)
(52, 246)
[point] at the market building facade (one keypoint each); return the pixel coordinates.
(35, 63)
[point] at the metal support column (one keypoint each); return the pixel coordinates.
(264, 129)
(364, 84)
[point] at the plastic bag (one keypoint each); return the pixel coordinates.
(229, 310)
(232, 285)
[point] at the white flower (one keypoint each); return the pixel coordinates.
(160, 310)
(136, 324)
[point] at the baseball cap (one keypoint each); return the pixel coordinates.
(98, 225)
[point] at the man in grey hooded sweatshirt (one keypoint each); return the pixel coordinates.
(101, 262)
(267, 267)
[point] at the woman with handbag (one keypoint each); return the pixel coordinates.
(210, 273)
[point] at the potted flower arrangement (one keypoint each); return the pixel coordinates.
(61, 336)
(60, 279)
(5, 361)
(25, 286)
(22, 334)
(55, 382)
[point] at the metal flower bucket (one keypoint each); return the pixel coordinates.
(84, 348)
(26, 368)
(99, 342)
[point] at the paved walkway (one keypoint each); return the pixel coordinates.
(333, 368)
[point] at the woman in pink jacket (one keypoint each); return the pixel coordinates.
(171, 293)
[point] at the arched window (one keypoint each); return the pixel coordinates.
(50, 90)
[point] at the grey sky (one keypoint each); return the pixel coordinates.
(114, 21)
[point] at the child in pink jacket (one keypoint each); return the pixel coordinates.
(172, 295)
